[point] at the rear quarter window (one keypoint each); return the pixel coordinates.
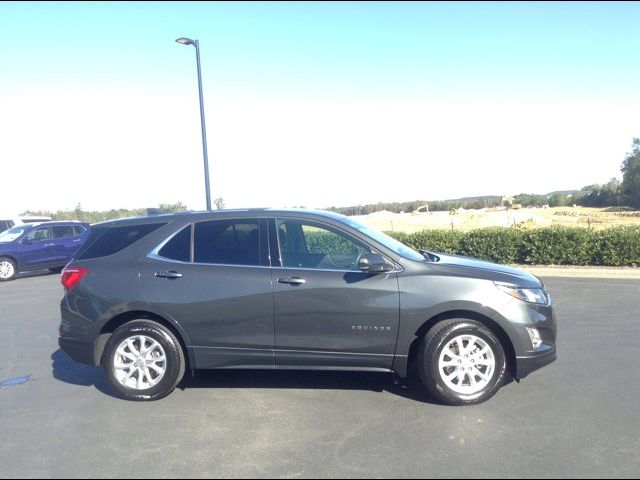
(179, 247)
(78, 230)
(105, 241)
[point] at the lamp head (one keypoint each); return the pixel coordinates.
(185, 41)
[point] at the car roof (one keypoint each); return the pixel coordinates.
(54, 223)
(214, 214)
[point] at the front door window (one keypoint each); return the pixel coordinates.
(39, 234)
(308, 245)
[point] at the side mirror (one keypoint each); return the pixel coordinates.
(27, 241)
(373, 263)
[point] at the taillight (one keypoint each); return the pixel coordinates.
(72, 275)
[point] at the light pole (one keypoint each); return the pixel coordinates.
(196, 43)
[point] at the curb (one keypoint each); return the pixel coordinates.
(571, 271)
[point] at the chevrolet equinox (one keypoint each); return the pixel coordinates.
(150, 298)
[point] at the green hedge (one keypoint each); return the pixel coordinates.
(555, 245)
(328, 242)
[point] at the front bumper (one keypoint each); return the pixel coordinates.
(531, 363)
(542, 319)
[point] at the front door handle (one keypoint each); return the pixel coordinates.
(171, 275)
(49, 244)
(292, 280)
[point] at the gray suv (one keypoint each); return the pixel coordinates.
(149, 298)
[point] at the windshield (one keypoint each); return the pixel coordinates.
(386, 240)
(11, 234)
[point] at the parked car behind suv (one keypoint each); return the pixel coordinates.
(7, 223)
(149, 298)
(38, 246)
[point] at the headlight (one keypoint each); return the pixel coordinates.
(530, 295)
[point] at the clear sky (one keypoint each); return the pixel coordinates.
(314, 104)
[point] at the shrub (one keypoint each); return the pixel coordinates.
(559, 245)
(328, 242)
(502, 245)
(542, 246)
(619, 246)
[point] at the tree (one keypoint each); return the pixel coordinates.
(631, 176)
(596, 195)
(558, 200)
(219, 203)
(611, 191)
(173, 207)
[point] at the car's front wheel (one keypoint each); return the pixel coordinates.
(143, 360)
(8, 269)
(461, 362)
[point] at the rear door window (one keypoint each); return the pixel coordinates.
(63, 231)
(104, 241)
(228, 242)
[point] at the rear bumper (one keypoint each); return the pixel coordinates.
(531, 363)
(78, 350)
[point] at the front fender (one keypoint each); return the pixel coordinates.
(424, 299)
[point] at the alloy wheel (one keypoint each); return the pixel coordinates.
(467, 364)
(7, 270)
(139, 363)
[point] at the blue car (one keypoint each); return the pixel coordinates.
(39, 246)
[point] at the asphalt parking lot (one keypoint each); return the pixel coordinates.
(579, 417)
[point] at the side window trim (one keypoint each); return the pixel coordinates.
(265, 251)
(274, 244)
(264, 245)
(192, 248)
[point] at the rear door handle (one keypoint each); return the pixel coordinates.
(292, 280)
(169, 275)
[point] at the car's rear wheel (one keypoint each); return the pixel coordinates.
(143, 360)
(461, 362)
(8, 269)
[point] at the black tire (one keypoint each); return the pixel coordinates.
(14, 268)
(175, 360)
(432, 346)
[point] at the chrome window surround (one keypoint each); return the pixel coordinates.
(154, 255)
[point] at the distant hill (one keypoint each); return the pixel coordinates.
(486, 201)
(557, 198)
(565, 192)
